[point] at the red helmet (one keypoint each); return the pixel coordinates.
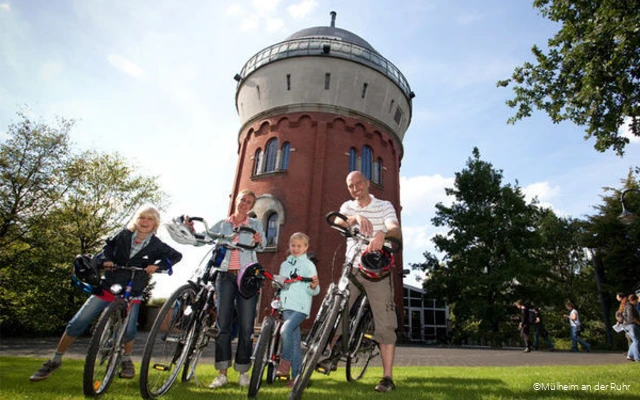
(376, 264)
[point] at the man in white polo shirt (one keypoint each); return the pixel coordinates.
(376, 219)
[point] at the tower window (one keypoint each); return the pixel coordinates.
(272, 230)
(284, 162)
(391, 106)
(327, 81)
(353, 160)
(271, 153)
(398, 116)
(367, 160)
(288, 81)
(377, 172)
(364, 89)
(257, 162)
(258, 91)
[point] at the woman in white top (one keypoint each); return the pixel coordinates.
(576, 327)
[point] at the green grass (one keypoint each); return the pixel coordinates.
(475, 383)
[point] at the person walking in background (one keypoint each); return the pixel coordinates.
(539, 330)
(136, 245)
(623, 301)
(296, 303)
(576, 328)
(525, 325)
(630, 321)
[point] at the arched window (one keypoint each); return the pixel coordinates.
(272, 230)
(284, 164)
(367, 161)
(257, 162)
(377, 171)
(353, 160)
(271, 154)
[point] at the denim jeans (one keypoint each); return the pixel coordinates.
(634, 333)
(575, 339)
(228, 298)
(290, 333)
(90, 311)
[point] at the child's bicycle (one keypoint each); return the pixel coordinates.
(358, 348)
(267, 351)
(107, 343)
(187, 321)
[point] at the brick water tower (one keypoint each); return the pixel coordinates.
(313, 108)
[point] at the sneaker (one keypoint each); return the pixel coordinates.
(47, 368)
(527, 350)
(243, 380)
(220, 381)
(127, 371)
(386, 385)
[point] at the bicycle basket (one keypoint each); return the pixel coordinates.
(376, 264)
(250, 279)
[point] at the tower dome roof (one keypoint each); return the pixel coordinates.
(331, 32)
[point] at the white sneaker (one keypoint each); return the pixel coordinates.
(220, 381)
(244, 379)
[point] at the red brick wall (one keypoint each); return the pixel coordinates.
(314, 183)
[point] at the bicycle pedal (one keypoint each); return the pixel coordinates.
(161, 367)
(212, 332)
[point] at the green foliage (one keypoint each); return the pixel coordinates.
(591, 72)
(54, 204)
(488, 260)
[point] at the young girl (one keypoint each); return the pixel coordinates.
(136, 245)
(296, 303)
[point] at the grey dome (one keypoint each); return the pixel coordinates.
(329, 32)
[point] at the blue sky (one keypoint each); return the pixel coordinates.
(153, 80)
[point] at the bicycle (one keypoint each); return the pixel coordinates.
(267, 350)
(107, 343)
(359, 348)
(186, 322)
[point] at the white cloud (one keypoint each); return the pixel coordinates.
(274, 24)
(250, 23)
(625, 130)
(542, 190)
(265, 6)
(302, 9)
(125, 66)
(419, 194)
(5, 6)
(50, 70)
(235, 10)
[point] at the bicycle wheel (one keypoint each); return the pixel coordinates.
(362, 348)
(103, 357)
(320, 317)
(164, 352)
(261, 355)
(201, 332)
(315, 349)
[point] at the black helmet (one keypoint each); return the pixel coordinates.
(250, 279)
(85, 273)
(376, 264)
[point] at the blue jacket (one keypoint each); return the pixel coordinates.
(296, 296)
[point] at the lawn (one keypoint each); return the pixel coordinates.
(475, 383)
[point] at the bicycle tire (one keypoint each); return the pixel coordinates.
(164, 351)
(261, 355)
(197, 345)
(362, 348)
(103, 355)
(315, 349)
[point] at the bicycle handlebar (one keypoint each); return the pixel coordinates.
(208, 238)
(394, 245)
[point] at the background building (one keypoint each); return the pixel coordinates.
(313, 108)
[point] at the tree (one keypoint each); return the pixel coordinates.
(56, 203)
(591, 72)
(488, 250)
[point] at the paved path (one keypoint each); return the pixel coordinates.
(408, 355)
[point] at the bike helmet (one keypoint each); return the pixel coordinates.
(250, 279)
(180, 232)
(86, 274)
(376, 264)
